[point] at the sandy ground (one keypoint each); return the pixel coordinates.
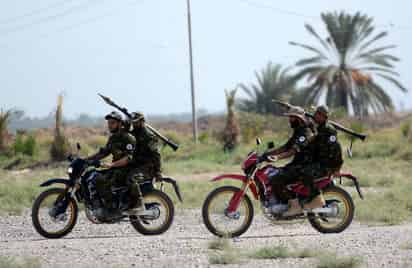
(186, 244)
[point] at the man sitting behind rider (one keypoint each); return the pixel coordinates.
(146, 158)
(298, 147)
(121, 146)
(327, 160)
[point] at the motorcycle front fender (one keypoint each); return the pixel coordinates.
(241, 178)
(56, 181)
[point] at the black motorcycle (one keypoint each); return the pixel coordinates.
(55, 211)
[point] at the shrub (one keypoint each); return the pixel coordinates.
(26, 146)
(406, 129)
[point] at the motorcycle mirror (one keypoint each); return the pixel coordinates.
(271, 145)
(78, 146)
(349, 151)
(258, 141)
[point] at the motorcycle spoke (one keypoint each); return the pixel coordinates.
(49, 221)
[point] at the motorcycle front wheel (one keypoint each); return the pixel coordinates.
(221, 223)
(54, 214)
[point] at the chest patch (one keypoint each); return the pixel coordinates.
(332, 138)
(302, 139)
(129, 147)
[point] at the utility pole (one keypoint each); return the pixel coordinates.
(192, 82)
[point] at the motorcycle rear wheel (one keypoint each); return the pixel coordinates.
(165, 206)
(210, 213)
(340, 198)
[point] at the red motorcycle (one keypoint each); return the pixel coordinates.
(228, 211)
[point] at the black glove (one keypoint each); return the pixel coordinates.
(94, 163)
(263, 158)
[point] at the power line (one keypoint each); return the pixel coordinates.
(34, 12)
(42, 20)
(278, 10)
(87, 21)
(302, 15)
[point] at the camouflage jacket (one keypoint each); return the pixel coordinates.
(300, 142)
(147, 151)
(327, 149)
(119, 145)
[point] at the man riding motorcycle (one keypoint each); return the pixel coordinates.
(146, 158)
(298, 147)
(121, 146)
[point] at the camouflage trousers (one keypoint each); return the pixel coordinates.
(293, 173)
(310, 173)
(117, 177)
(283, 176)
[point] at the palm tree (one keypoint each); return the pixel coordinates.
(344, 68)
(273, 82)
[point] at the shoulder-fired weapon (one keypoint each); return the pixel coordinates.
(166, 140)
(338, 126)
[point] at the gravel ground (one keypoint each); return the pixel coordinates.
(186, 244)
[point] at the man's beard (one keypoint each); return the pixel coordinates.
(114, 130)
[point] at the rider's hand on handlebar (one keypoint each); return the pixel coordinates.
(106, 165)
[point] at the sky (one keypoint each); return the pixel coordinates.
(136, 51)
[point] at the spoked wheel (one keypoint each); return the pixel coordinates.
(341, 215)
(53, 214)
(163, 213)
(215, 215)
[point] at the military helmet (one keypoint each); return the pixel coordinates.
(323, 109)
(115, 116)
(297, 112)
(136, 117)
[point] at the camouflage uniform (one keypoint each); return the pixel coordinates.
(119, 145)
(327, 153)
(146, 159)
(300, 142)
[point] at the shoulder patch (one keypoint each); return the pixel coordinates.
(129, 147)
(332, 138)
(302, 139)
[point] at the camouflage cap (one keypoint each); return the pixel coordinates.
(115, 116)
(323, 109)
(136, 117)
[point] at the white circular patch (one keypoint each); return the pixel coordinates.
(332, 138)
(129, 147)
(302, 139)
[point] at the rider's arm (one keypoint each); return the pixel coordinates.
(283, 149)
(119, 163)
(102, 153)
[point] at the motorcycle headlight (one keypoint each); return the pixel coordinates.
(70, 170)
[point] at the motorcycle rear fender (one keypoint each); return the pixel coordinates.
(175, 187)
(238, 177)
(355, 182)
(56, 181)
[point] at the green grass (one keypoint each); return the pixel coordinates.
(280, 252)
(219, 244)
(18, 191)
(407, 246)
(8, 262)
(333, 261)
(226, 253)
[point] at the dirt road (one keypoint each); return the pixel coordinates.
(186, 244)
